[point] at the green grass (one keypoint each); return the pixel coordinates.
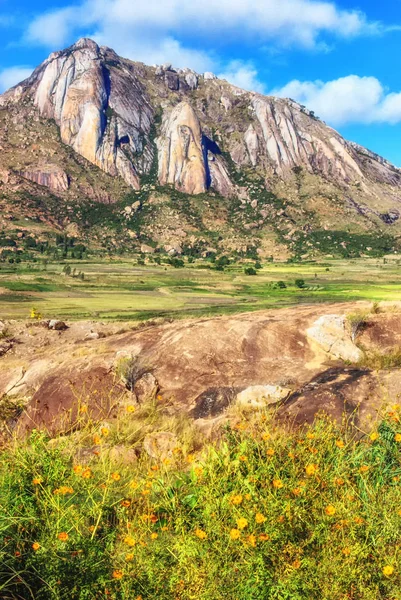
(123, 290)
(312, 514)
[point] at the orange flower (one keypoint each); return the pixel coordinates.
(243, 458)
(251, 540)
(278, 484)
(259, 518)
(264, 537)
(330, 510)
(97, 439)
(346, 551)
(297, 491)
(359, 520)
(310, 436)
(36, 546)
(37, 480)
(105, 431)
(242, 523)
(129, 557)
(154, 536)
(311, 469)
(291, 455)
(270, 452)
(198, 472)
(235, 534)
(77, 469)
(364, 469)
(340, 444)
(125, 503)
(190, 458)
(116, 476)
(339, 481)
(202, 535)
(266, 436)
(63, 536)
(296, 564)
(86, 473)
(236, 499)
(248, 496)
(117, 574)
(83, 408)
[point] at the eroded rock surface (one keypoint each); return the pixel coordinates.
(201, 366)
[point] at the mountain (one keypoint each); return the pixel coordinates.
(123, 156)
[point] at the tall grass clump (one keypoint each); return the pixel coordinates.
(311, 514)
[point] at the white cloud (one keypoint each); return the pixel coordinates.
(170, 30)
(243, 75)
(13, 75)
(350, 99)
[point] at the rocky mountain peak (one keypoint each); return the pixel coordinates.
(196, 133)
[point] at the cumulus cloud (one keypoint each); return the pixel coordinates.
(350, 99)
(244, 75)
(170, 29)
(13, 75)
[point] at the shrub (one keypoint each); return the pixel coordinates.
(250, 271)
(300, 283)
(356, 322)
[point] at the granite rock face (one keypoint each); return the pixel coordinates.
(50, 176)
(181, 159)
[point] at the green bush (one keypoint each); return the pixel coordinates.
(250, 271)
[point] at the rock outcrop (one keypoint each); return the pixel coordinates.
(50, 176)
(181, 160)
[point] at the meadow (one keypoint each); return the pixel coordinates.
(267, 513)
(125, 290)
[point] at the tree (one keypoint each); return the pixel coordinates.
(250, 271)
(300, 283)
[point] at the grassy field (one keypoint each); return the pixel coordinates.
(124, 290)
(312, 514)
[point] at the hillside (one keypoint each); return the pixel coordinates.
(125, 157)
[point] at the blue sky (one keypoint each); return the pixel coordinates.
(339, 58)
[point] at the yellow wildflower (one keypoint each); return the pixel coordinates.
(259, 518)
(278, 484)
(397, 437)
(116, 476)
(388, 570)
(36, 546)
(311, 469)
(37, 480)
(374, 436)
(340, 444)
(63, 536)
(237, 499)
(154, 536)
(235, 534)
(251, 540)
(242, 523)
(202, 535)
(330, 510)
(129, 540)
(130, 408)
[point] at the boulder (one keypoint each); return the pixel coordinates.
(57, 325)
(259, 396)
(146, 388)
(330, 332)
(160, 445)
